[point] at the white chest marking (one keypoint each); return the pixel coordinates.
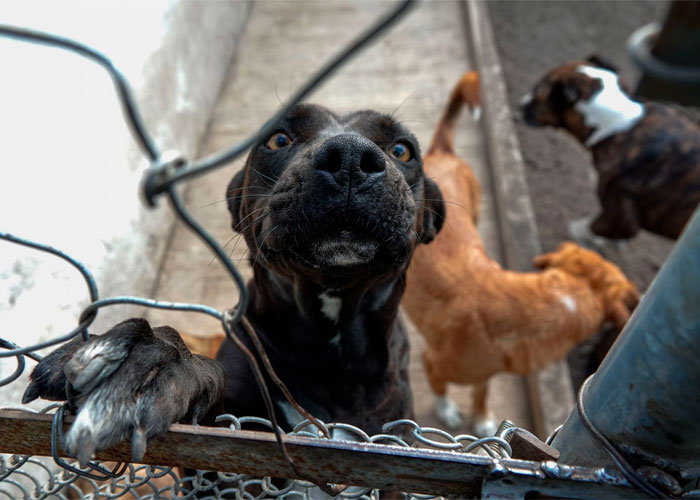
(609, 111)
(568, 302)
(330, 306)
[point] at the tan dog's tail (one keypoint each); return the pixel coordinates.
(465, 92)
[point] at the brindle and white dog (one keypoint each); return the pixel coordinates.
(647, 155)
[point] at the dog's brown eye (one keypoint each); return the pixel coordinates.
(400, 151)
(278, 141)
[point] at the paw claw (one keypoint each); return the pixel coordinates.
(85, 448)
(30, 393)
(138, 444)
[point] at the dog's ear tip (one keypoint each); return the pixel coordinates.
(234, 198)
(602, 62)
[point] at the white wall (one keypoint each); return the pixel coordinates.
(70, 168)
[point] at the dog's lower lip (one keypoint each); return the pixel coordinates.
(344, 250)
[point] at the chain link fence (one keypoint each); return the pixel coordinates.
(159, 482)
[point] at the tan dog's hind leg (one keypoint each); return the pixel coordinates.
(446, 410)
(483, 423)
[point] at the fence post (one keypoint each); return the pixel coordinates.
(644, 397)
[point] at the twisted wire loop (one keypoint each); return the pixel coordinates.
(145, 482)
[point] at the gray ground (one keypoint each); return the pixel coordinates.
(410, 72)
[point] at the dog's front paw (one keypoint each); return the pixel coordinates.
(447, 412)
(484, 426)
(130, 383)
(580, 232)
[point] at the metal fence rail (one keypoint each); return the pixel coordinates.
(438, 464)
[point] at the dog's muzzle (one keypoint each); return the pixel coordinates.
(352, 208)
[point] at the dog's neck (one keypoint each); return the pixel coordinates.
(324, 315)
(609, 111)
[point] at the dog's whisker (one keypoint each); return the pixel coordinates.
(243, 188)
(413, 121)
(235, 228)
(262, 243)
(252, 196)
(238, 236)
(418, 238)
(406, 99)
(445, 201)
(223, 247)
(271, 179)
(235, 245)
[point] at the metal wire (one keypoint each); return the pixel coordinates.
(636, 479)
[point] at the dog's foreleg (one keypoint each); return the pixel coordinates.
(446, 410)
(484, 422)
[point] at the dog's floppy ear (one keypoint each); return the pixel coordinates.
(601, 62)
(433, 211)
(234, 195)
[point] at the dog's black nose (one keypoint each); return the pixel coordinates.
(349, 155)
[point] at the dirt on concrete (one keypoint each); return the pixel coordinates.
(532, 38)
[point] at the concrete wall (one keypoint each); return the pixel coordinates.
(70, 168)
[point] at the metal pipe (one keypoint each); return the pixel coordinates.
(645, 397)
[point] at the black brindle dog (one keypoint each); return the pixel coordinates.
(331, 207)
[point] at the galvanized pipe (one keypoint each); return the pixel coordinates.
(645, 397)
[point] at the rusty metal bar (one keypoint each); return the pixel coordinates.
(362, 464)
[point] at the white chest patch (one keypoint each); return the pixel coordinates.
(568, 302)
(330, 306)
(610, 110)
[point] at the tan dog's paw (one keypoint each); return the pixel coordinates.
(447, 412)
(484, 426)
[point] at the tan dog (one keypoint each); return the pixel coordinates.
(479, 319)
